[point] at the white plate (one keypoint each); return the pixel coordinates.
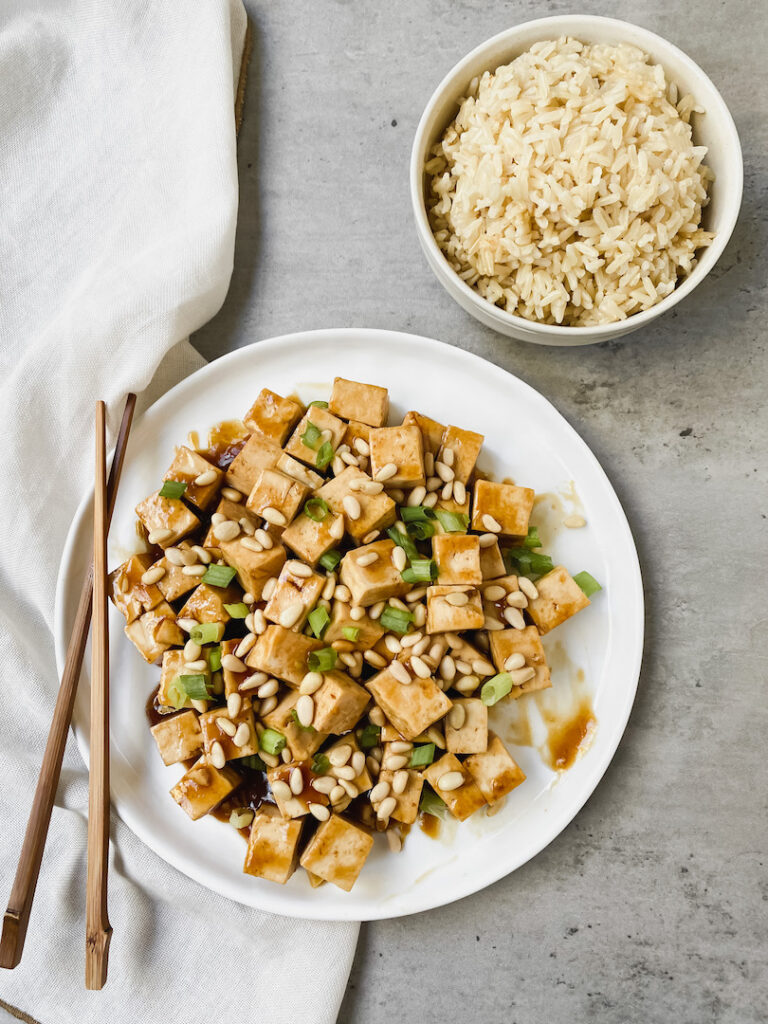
(526, 439)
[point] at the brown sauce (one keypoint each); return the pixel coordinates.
(430, 825)
(225, 441)
(564, 739)
(308, 793)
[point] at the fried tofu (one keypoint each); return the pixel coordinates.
(411, 707)
(232, 680)
(431, 430)
(174, 665)
(509, 505)
(323, 420)
(404, 448)
(154, 632)
(257, 453)
(129, 595)
(443, 616)
(559, 598)
(283, 653)
(495, 772)
(206, 603)
(234, 510)
(175, 583)
(294, 597)
(214, 732)
(458, 558)
(465, 445)
(369, 630)
(172, 514)
(337, 852)
(302, 743)
(203, 787)
(464, 800)
(472, 736)
(275, 490)
(491, 561)
(367, 403)
(253, 568)
(178, 737)
(186, 467)
(310, 540)
(407, 808)
(339, 703)
(297, 804)
(377, 511)
(298, 471)
(378, 581)
(528, 643)
(272, 416)
(273, 847)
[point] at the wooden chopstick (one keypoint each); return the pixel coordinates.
(16, 917)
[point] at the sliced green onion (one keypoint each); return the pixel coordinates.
(320, 764)
(452, 522)
(351, 633)
(207, 632)
(322, 660)
(532, 540)
(325, 455)
(420, 530)
(396, 619)
(173, 489)
(330, 559)
(422, 756)
(238, 611)
(431, 803)
(214, 658)
(318, 620)
(194, 687)
(416, 513)
(526, 562)
(253, 762)
(496, 688)
(318, 404)
(272, 741)
(402, 540)
(587, 582)
(311, 437)
(218, 575)
(297, 722)
(316, 509)
(421, 570)
(369, 736)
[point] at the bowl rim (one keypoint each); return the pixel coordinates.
(574, 24)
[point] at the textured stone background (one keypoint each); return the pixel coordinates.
(652, 906)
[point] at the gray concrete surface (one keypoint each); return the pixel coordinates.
(651, 907)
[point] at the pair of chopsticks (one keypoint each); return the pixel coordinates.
(93, 599)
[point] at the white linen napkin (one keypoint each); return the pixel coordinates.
(118, 190)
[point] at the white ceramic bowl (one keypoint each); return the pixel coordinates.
(715, 130)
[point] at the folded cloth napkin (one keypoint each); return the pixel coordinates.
(118, 185)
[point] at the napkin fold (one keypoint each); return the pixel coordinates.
(118, 186)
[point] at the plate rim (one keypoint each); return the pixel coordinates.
(468, 885)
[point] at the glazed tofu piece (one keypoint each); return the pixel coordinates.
(154, 632)
(166, 514)
(273, 847)
(217, 727)
(559, 598)
(357, 431)
(369, 630)
(491, 561)
(174, 666)
(462, 801)
(187, 467)
(363, 779)
(410, 707)
(295, 805)
(302, 743)
(298, 471)
(282, 653)
(274, 490)
(377, 511)
(310, 540)
(206, 603)
(339, 703)
(472, 735)
(174, 583)
(465, 445)
(337, 852)
(272, 416)
(129, 595)
(527, 642)
(448, 612)
(367, 403)
(257, 453)
(402, 447)
(234, 510)
(495, 594)
(495, 771)
(510, 506)
(203, 787)
(377, 581)
(253, 568)
(472, 666)
(431, 430)
(458, 558)
(407, 809)
(302, 447)
(232, 680)
(294, 597)
(178, 737)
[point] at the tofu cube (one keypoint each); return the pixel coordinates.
(282, 653)
(510, 506)
(458, 558)
(203, 787)
(273, 848)
(431, 430)
(528, 643)
(466, 657)
(172, 514)
(443, 616)
(129, 595)
(274, 489)
(174, 584)
(370, 632)
(559, 598)
(411, 707)
(378, 581)
(491, 561)
(337, 851)
(174, 666)
(257, 453)
(472, 737)
(234, 510)
(232, 680)
(206, 603)
(186, 467)
(323, 420)
(178, 737)
(363, 781)
(253, 568)
(377, 511)
(210, 724)
(465, 445)
(402, 446)
(367, 403)
(294, 597)
(297, 804)
(463, 801)
(302, 743)
(272, 416)
(310, 540)
(339, 703)
(154, 632)
(298, 471)
(357, 431)
(407, 809)
(495, 607)
(495, 771)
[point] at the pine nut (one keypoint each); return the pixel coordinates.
(361, 446)
(226, 726)
(482, 668)
(329, 588)
(336, 529)
(351, 506)
(231, 663)
(445, 472)
(417, 495)
(218, 517)
(158, 536)
(196, 666)
(234, 704)
(522, 675)
(231, 494)
(194, 570)
(319, 811)
(514, 617)
(340, 755)
(152, 575)
(574, 522)
(459, 492)
(208, 477)
(411, 639)
(419, 615)
(392, 644)
(400, 747)
(400, 672)
(299, 569)
(227, 530)
(422, 646)
(192, 651)
(204, 556)
(372, 765)
(187, 624)
(263, 538)
(305, 709)
(173, 555)
(324, 784)
(281, 790)
(358, 762)
(450, 781)
(491, 524)
(514, 661)
(487, 540)
(274, 516)
(270, 760)
(447, 491)
(458, 600)
(290, 616)
(376, 716)
(217, 755)
(342, 594)
(336, 794)
(245, 645)
(528, 587)
(254, 681)
(349, 459)
(296, 781)
(434, 483)
(429, 502)
(463, 666)
(494, 593)
(517, 599)
(399, 782)
(268, 689)
(374, 659)
(356, 613)
(368, 559)
(448, 668)
(242, 735)
(386, 807)
(415, 595)
(457, 716)
(371, 487)
(349, 788)
(199, 705)
(394, 841)
(374, 612)
(241, 819)
(259, 622)
(492, 624)
(466, 684)
(380, 791)
(251, 544)
(394, 761)
(269, 588)
(248, 597)
(420, 668)
(311, 682)
(386, 472)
